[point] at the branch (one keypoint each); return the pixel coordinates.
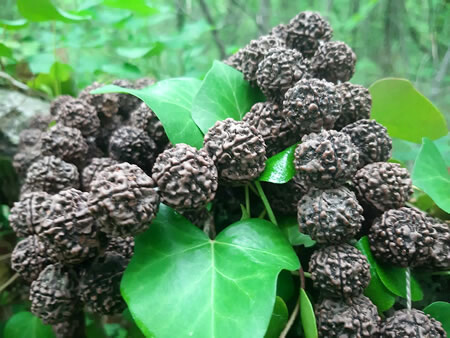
(214, 31)
(290, 321)
(22, 87)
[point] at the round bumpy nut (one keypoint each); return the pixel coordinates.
(186, 177)
(339, 271)
(235, 60)
(144, 118)
(306, 31)
(280, 31)
(383, 185)
(58, 102)
(311, 105)
(133, 145)
(51, 174)
(24, 159)
(106, 105)
(268, 118)
(440, 251)
(76, 113)
(40, 121)
(29, 138)
(330, 216)
(280, 69)
(123, 246)
(254, 53)
(327, 159)
(26, 214)
(53, 295)
(237, 149)
(356, 104)
(93, 168)
(99, 286)
(334, 61)
(127, 102)
(359, 318)
(29, 258)
(73, 327)
(284, 197)
(123, 200)
(411, 323)
(66, 143)
(69, 229)
(403, 237)
(371, 139)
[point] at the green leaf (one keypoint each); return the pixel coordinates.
(307, 316)
(431, 175)
(289, 227)
(285, 285)
(280, 167)
(405, 112)
(171, 101)
(44, 10)
(441, 312)
(13, 24)
(280, 316)
(224, 93)
(5, 51)
(180, 283)
(122, 70)
(137, 6)
(26, 325)
(140, 52)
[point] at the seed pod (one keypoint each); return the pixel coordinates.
(69, 229)
(327, 159)
(284, 197)
(254, 53)
(28, 213)
(334, 61)
(186, 177)
(280, 31)
(93, 168)
(201, 218)
(66, 143)
(411, 323)
(123, 200)
(73, 327)
(58, 102)
(127, 102)
(40, 121)
(280, 69)
(330, 216)
(268, 118)
(440, 251)
(383, 185)
(236, 60)
(311, 105)
(306, 31)
(123, 246)
(371, 139)
(402, 237)
(29, 138)
(99, 286)
(53, 294)
(76, 113)
(358, 318)
(106, 105)
(339, 271)
(51, 174)
(356, 104)
(144, 82)
(144, 118)
(29, 258)
(237, 149)
(133, 145)
(25, 158)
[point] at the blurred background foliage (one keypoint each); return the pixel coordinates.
(87, 40)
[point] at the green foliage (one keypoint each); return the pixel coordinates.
(5, 51)
(26, 325)
(441, 312)
(44, 10)
(176, 263)
(405, 112)
(224, 93)
(280, 167)
(289, 226)
(58, 81)
(278, 320)
(13, 24)
(307, 316)
(431, 175)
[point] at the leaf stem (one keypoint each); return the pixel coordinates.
(441, 273)
(266, 203)
(5, 256)
(291, 320)
(9, 282)
(247, 201)
(262, 214)
(307, 274)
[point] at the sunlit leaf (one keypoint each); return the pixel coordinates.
(44, 10)
(26, 325)
(122, 70)
(280, 167)
(13, 24)
(307, 316)
(5, 51)
(140, 52)
(279, 319)
(441, 312)
(137, 6)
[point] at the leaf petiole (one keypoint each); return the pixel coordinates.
(265, 201)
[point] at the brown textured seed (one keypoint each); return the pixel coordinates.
(383, 185)
(358, 318)
(123, 246)
(306, 31)
(186, 177)
(311, 105)
(340, 271)
(144, 118)
(73, 327)
(333, 61)
(95, 166)
(327, 159)
(440, 251)
(235, 60)
(284, 197)
(402, 237)
(123, 200)
(106, 105)
(237, 149)
(411, 323)
(127, 102)
(330, 216)
(356, 104)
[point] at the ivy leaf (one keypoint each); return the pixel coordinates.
(140, 52)
(307, 316)
(224, 93)
(441, 312)
(137, 6)
(5, 51)
(180, 283)
(280, 167)
(285, 285)
(405, 112)
(171, 101)
(289, 227)
(431, 175)
(44, 10)
(13, 24)
(279, 319)
(26, 325)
